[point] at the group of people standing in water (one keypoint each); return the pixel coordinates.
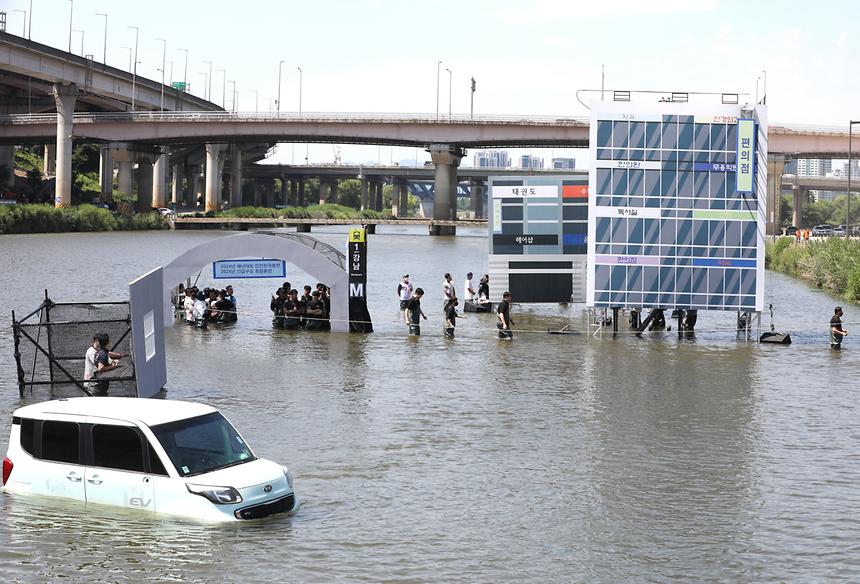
(410, 304)
(207, 305)
(306, 309)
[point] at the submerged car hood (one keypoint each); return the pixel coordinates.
(242, 475)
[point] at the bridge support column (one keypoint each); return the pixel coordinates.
(193, 180)
(476, 199)
(123, 177)
(399, 197)
(332, 194)
(176, 192)
(235, 176)
(50, 158)
(159, 181)
(213, 177)
(364, 194)
(328, 191)
(775, 168)
(7, 159)
(300, 201)
(106, 173)
(446, 159)
(378, 185)
(65, 96)
(269, 193)
(801, 197)
(292, 200)
(144, 185)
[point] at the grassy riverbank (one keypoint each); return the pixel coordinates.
(327, 211)
(832, 264)
(48, 219)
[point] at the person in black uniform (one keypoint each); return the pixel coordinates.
(450, 318)
(503, 311)
(413, 307)
(837, 333)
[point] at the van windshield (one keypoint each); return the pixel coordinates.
(202, 444)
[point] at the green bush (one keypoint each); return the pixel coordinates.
(48, 219)
(832, 264)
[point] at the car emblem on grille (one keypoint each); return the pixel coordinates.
(267, 488)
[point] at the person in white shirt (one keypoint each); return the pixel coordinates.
(468, 291)
(404, 292)
(449, 290)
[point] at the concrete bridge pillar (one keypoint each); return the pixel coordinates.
(65, 96)
(364, 185)
(235, 176)
(332, 194)
(159, 180)
(177, 190)
(193, 180)
(50, 160)
(144, 185)
(476, 199)
(801, 197)
(7, 158)
(269, 193)
(399, 197)
(300, 201)
(377, 199)
(106, 173)
(775, 168)
(123, 177)
(294, 193)
(213, 177)
(328, 190)
(446, 159)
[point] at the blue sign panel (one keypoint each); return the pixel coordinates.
(233, 269)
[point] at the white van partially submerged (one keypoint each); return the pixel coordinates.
(160, 456)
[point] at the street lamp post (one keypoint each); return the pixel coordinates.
(223, 88)
(438, 64)
(24, 24)
(300, 90)
(163, 67)
(134, 69)
(71, 15)
(234, 93)
(82, 41)
(848, 209)
(256, 100)
(449, 92)
(30, 22)
(170, 75)
(472, 105)
(185, 73)
(207, 95)
(104, 43)
(205, 82)
(278, 102)
(129, 49)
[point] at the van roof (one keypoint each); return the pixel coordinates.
(150, 412)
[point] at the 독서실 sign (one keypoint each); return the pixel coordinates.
(264, 268)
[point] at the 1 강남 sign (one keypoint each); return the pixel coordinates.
(357, 260)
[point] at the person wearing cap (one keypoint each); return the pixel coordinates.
(404, 292)
(837, 333)
(468, 291)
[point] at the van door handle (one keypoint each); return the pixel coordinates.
(94, 480)
(74, 477)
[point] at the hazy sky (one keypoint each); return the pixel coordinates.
(528, 57)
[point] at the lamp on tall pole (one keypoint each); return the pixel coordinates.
(24, 24)
(134, 69)
(205, 82)
(438, 64)
(234, 94)
(71, 14)
(278, 102)
(163, 67)
(848, 209)
(300, 90)
(30, 22)
(256, 100)
(82, 40)
(449, 92)
(129, 49)
(170, 75)
(223, 88)
(185, 73)
(104, 43)
(208, 93)
(472, 106)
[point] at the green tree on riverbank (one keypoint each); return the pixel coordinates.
(832, 264)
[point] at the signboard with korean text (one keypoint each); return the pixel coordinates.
(236, 269)
(356, 259)
(677, 207)
(538, 237)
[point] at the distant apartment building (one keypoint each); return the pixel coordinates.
(814, 167)
(492, 159)
(529, 161)
(564, 163)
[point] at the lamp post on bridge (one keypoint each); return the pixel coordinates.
(129, 49)
(163, 67)
(278, 102)
(223, 88)
(82, 40)
(472, 105)
(24, 24)
(450, 76)
(185, 74)
(71, 17)
(104, 42)
(208, 94)
(134, 70)
(256, 100)
(234, 93)
(300, 90)
(848, 207)
(438, 65)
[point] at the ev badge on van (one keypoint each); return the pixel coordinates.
(267, 488)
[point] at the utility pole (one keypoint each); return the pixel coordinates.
(300, 90)
(223, 88)
(71, 15)
(449, 92)
(104, 44)
(134, 70)
(30, 23)
(472, 105)
(438, 64)
(234, 94)
(208, 94)
(280, 66)
(163, 67)
(185, 74)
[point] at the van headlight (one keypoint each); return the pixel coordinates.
(218, 495)
(289, 476)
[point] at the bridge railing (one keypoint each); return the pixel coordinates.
(309, 117)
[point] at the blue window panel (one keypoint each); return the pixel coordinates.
(669, 156)
(668, 251)
(652, 202)
(699, 301)
(651, 250)
(715, 281)
(718, 136)
(634, 249)
(634, 299)
(685, 136)
(685, 159)
(604, 154)
(717, 185)
(700, 185)
(718, 204)
(732, 137)
(604, 181)
(653, 132)
(717, 232)
(670, 183)
(748, 253)
(604, 133)
(704, 204)
(667, 279)
(619, 201)
(602, 248)
(748, 279)
(683, 257)
(650, 278)
(543, 213)
(603, 201)
(748, 302)
(702, 157)
(684, 234)
(620, 130)
(667, 231)
(619, 182)
(635, 202)
(733, 252)
(652, 155)
(700, 232)
(512, 229)
(731, 300)
(733, 233)
(683, 300)
(702, 138)
(637, 134)
(601, 277)
(650, 299)
(685, 203)
(636, 154)
(574, 212)
(700, 252)
(683, 279)
(666, 299)
(748, 238)
(619, 154)
(619, 299)
(634, 230)
(636, 186)
(634, 278)
(603, 297)
(715, 252)
(685, 184)
(670, 135)
(651, 186)
(731, 156)
(618, 277)
(650, 231)
(619, 249)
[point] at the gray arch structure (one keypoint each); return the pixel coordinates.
(320, 260)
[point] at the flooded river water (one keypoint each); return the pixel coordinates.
(547, 459)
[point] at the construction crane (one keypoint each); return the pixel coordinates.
(336, 151)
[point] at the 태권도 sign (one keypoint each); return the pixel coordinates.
(263, 268)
